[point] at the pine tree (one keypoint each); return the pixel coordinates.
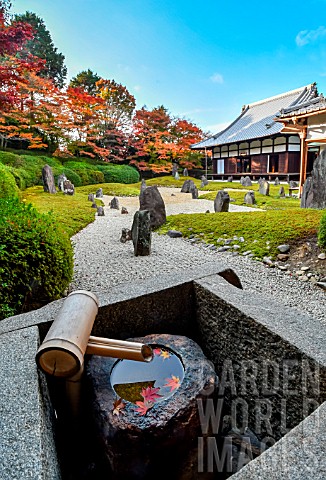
(42, 47)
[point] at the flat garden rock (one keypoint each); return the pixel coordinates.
(283, 248)
(174, 234)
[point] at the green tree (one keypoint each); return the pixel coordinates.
(42, 46)
(85, 80)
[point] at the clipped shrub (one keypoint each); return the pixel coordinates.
(119, 174)
(36, 258)
(8, 187)
(89, 174)
(322, 232)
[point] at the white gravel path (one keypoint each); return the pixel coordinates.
(102, 261)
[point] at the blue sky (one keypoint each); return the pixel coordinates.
(201, 60)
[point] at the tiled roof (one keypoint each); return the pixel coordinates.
(313, 105)
(257, 119)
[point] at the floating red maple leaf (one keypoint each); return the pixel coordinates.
(173, 383)
(150, 394)
(118, 405)
(143, 407)
(157, 351)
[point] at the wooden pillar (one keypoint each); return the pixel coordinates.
(303, 159)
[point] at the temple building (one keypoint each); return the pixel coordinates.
(255, 144)
(308, 120)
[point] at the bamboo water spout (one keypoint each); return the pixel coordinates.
(68, 340)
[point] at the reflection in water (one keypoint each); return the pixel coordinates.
(145, 383)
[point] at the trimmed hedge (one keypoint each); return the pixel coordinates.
(8, 187)
(27, 170)
(119, 174)
(36, 258)
(322, 232)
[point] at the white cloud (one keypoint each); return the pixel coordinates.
(308, 36)
(217, 78)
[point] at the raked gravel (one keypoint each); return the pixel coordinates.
(102, 261)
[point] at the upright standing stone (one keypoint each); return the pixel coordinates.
(174, 169)
(281, 191)
(48, 179)
(261, 180)
(68, 188)
(187, 186)
(91, 197)
(143, 185)
(151, 200)
(264, 187)
(314, 189)
(249, 198)
(246, 182)
(241, 180)
(115, 203)
(230, 179)
(99, 193)
(194, 192)
(100, 211)
(204, 181)
(185, 172)
(61, 178)
(177, 176)
(277, 181)
(141, 233)
(222, 201)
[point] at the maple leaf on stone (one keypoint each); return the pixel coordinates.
(173, 383)
(165, 354)
(118, 406)
(150, 394)
(143, 407)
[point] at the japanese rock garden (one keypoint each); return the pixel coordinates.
(162, 286)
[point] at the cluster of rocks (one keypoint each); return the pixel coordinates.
(246, 181)
(299, 270)
(232, 246)
(64, 185)
(150, 215)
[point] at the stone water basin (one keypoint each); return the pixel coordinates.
(146, 414)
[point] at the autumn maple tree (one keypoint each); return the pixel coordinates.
(161, 139)
(93, 116)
